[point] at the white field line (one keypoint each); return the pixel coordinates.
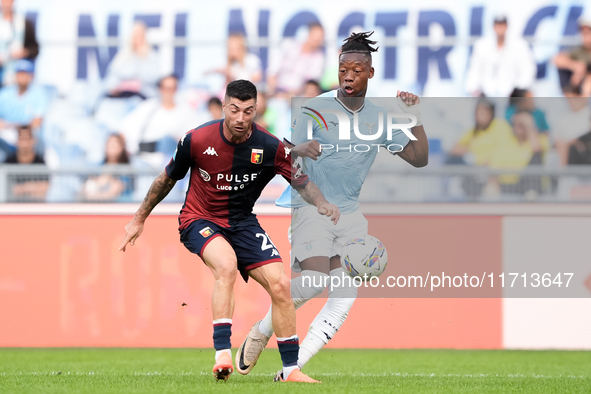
(358, 375)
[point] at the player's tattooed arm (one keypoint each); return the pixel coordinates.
(159, 189)
(312, 195)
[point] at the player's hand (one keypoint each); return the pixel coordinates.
(330, 210)
(409, 103)
(311, 149)
(408, 98)
(133, 230)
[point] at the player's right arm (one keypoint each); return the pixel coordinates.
(162, 185)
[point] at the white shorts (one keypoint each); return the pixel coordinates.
(313, 234)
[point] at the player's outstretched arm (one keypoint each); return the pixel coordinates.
(312, 195)
(160, 188)
(416, 153)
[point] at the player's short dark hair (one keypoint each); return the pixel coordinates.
(359, 42)
(241, 89)
(214, 101)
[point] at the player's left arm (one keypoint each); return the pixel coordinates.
(291, 171)
(416, 152)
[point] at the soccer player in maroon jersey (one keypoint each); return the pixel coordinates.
(231, 161)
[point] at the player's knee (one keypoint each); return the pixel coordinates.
(312, 284)
(280, 289)
(226, 272)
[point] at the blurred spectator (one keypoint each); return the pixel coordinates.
(526, 146)
(240, 63)
(573, 123)
(484, 139)
(500, 64)
(21, 103)
(266, 117)
(522, 100)
(17, 40)
(311, 89)
(298, 63)
(214, 107)
(153, 128)
(580, 150)
(575, 64)
(107, 187)
(27, 187)
(135, 68)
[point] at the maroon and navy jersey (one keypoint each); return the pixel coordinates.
(227, 178)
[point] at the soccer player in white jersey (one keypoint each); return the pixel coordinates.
(316, 243)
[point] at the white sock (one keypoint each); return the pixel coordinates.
(287, 370)
(218, 353)
(302, 290)
(329, 320)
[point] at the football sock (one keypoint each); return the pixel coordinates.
(218, 353)
(303, 288)
(330, 318)
(289, 349)
(222, 331)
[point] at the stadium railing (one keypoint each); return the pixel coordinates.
(383, 185)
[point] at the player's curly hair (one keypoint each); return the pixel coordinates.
(359, 42)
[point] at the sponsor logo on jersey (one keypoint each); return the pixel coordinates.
(206, 232)
(204, 175)
(256, 156)
(210, 151)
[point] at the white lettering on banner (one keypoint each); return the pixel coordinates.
(345, 125)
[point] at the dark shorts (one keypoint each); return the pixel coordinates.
(252, 245)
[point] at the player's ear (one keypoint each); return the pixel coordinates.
(371, 71)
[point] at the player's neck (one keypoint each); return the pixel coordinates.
(352, 103)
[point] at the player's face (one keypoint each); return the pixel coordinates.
(239, 116)
(354, 72)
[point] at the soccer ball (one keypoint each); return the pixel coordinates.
(364, 257)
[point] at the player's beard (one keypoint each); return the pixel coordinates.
(239, 134)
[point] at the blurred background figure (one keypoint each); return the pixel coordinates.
(573, 122)
(526, 146)
(241, 64)
(154, 127)
(214, 107)
(17, 40)
(523, 100)
(135, 69)
(21, 103)
(298, 63)
(574, 65)
(500, 64)
(311, 89)
(27, 187)
(107, 187)
(267, 116)
(478, 144)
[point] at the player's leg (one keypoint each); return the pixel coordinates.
(221, 259)
(341, 293)
(275, 281)
(341, 296)
(311, 283)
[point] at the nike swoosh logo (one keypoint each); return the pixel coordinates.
(242, 365)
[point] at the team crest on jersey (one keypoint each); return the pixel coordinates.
(206, 232)
(256, 156)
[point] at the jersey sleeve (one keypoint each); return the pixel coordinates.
(181, 160)
(292, 173)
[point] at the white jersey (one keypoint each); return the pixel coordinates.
(341, 170)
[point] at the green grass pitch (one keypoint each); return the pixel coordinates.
(342, 371)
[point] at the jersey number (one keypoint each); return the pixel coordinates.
(267, 244)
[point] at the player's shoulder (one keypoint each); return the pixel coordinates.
(323, 99)
(266, 135)
(207, 126)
